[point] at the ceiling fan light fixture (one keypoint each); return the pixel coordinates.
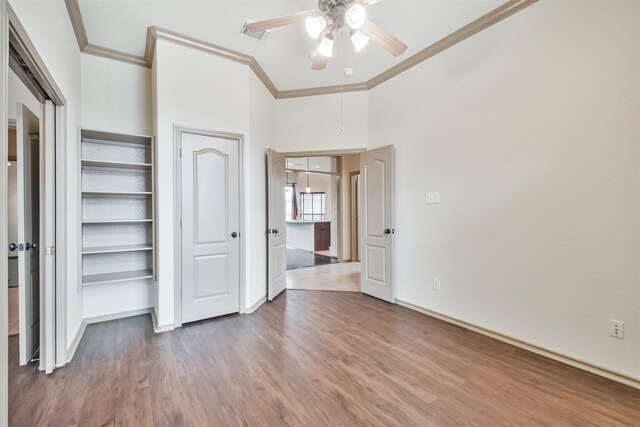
(326, 47)
(359, 40)
(355, 16)
(315, 25)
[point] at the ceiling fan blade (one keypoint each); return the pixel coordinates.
(381, 37)
(319, 62)
(293, 18)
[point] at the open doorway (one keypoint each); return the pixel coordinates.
(24, 202)
(318, 213)
(371, 175)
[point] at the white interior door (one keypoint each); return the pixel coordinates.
(28, 150)
(210, 227)
(376, 222)
(277, 231)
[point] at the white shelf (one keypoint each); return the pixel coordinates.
(123, 194)
(113, 223)
(124, 166)
(116, 221)
(123, 276)
(116, 249)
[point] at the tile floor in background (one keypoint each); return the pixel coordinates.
(344, 276)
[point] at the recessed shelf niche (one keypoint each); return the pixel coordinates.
(117, 207)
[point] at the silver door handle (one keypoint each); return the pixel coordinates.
(33, 246)
(13, 247)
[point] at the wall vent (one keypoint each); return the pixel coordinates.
(259, 35)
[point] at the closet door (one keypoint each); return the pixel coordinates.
(210, 227)
(28, 147)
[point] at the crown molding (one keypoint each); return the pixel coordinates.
(156, 33)
(322, 90)
(73, 8)
(105, 52)
(493, 17)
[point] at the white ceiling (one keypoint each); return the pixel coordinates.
(122, 25)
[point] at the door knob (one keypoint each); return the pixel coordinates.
(13, 247)
(234, 234)
(387, 231)
(275, 231)
(33, 246)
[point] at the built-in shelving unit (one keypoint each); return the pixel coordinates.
(117, 207)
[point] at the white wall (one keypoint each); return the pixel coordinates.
(222, 96)
(116, 97)
(530, 130)
(261, 136)
(48, 26)
(313, 123)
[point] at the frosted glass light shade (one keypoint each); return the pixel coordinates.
(359, 40)
(315, 25)
(355, 16)
(326, 47)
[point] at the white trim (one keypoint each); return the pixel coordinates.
(255, 306)
(159, 328)
(71, 350)
(177, 212)
(567, 360)
(116, 316)
(4, 308)
(61, 237)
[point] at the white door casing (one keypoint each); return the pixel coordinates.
(376, 222)
(28, 150)
(210, 226)
(47, 236)
(277, 253)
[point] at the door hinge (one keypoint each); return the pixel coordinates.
(180, 223)
(180, 151)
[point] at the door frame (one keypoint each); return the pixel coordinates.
(338, 154)
(55, 305)
(354, 206)
(4, 144)
(177, 213)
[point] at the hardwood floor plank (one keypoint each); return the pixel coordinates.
(311, 358)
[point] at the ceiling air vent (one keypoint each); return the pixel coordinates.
(259, 35)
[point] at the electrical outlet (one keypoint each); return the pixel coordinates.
(616, 328)
(436, 284)
(432, 198)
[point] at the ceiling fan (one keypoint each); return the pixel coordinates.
(326, 21)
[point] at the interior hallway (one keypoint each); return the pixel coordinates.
(311, 358)
(344, 276)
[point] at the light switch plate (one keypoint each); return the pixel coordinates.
(432, 198)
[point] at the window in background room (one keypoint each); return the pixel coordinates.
(312, 206)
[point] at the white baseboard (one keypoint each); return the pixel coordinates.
(256, 306)
(159, 328)
(71, 351)
(571, 361)
(115, 316)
